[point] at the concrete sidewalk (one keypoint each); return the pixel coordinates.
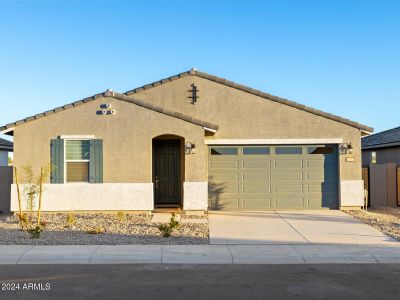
(200, 254)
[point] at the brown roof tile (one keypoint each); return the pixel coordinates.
(203, 75)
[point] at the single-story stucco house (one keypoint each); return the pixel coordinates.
(193, 141)
(5, 148)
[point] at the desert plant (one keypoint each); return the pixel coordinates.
(167, 229)
(23, 220)
(35, 231)
(70, 220)
(121, 216)
(33, 189)
(96, 230)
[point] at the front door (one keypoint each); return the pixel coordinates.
(166, 175)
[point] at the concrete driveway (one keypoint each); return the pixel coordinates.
(292, 227)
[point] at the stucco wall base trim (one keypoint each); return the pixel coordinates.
(351, 193)
(93, 197)
(273, 141)
(195, 195)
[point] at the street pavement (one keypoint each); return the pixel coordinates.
(155, 281)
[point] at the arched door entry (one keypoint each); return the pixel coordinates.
(167, 172)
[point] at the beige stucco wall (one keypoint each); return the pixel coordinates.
(127, 139)
(241, 115)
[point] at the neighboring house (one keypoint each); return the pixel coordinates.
(5, 147)
(194, 141)
(381, 172)
(382, 147)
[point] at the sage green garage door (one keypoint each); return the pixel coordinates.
(268, 177)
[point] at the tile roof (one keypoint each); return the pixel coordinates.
(192, 72)
(121, 97)
(385, 138)
(6, 145)
(162, 110)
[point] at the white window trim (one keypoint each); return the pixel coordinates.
(273, 141)
(77, 137)
(74, 138)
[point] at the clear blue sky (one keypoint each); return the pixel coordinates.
(342, 57)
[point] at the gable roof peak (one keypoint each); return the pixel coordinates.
(246, 89)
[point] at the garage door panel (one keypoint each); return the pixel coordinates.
(233, 164)
(288, 176)
(225, 203)
(256, 176)
(256, 188)
(319, 188)
(289, 202)
(223, 177)
(257, 164)
(321, 176)
(288, 188)
(288, 164)
(256, 203)
(223, 188)
(292, 178)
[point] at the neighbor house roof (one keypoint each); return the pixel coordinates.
(387, 138)
(128, 97)
(6, 145)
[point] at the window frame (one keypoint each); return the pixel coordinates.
(373, 157)
(289, 147)
(78, 138)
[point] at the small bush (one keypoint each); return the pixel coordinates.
(121, 216)
(23, 220)
(167, 229)
(70, 220)
(96, 230)
(35, 232)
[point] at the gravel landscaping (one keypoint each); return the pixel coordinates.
(132, 229)
(386, 220)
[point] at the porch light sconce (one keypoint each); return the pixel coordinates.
(190, 148)
(346, 148)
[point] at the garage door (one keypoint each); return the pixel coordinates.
(268, 177)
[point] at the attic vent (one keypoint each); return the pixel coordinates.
(193, 94)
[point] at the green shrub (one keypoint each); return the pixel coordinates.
(23, 220)
(121, 216)
(96, 230)
(167, 229)
(35, 232)
(70, 219)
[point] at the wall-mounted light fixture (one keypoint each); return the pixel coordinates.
(346, 148)
(190, 148)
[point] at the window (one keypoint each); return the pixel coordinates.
(320, 150)
(373, 157)
(77, 157)
(288, 150)
(224, 151)
(255, 150)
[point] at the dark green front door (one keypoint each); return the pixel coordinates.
(166, 178)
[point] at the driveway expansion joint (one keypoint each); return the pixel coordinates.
(276, 212)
